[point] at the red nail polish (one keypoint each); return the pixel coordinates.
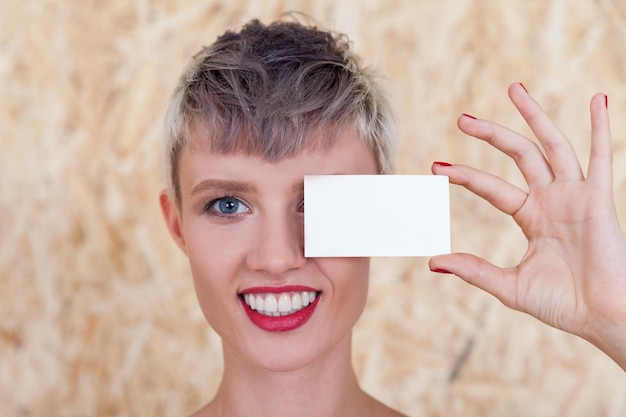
(440, 271)
(606, 101)
(524, 87)
(469, 115)
(442, 164)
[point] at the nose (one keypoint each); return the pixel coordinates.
(277, 245)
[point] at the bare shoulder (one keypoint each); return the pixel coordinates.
(369, 408)
(378, 409)
(204, 412)
(385, 411)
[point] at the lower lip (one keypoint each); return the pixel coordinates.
(281, 323)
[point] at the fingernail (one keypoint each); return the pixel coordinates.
(524, 87)
(440, 271)
(606, 101)
(442, 164)
(469, 115)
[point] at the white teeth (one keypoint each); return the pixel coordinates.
(284, 303)
(280, 304)
(271, 305)
(296, 301)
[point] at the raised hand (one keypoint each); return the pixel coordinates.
(573, 275)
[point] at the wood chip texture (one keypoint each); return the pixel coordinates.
(99, 317)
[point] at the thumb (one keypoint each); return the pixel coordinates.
(478, 272)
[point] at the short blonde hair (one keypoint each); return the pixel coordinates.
(274, 90)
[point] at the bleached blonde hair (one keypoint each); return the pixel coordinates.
(274, 90)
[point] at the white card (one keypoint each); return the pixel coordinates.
(376, 215)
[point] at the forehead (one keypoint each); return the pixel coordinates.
(348, 155)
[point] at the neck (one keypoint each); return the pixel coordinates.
(325, 387)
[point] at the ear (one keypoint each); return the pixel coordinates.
(173, 218)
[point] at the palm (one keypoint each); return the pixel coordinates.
(550, 282)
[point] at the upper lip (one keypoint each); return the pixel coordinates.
(277, 290)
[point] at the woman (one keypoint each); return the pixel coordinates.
(261, 108)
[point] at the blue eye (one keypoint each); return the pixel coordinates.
(228, 206)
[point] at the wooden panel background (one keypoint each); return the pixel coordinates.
(98, 312)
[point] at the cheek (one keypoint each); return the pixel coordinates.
(215, 249)
(350, 281)
(215, 259)
(360, 281)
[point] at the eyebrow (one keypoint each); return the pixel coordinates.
(235, 186)
(222, 185)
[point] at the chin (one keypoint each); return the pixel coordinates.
(287, 353)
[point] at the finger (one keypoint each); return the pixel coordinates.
(496, 281)
(526, 154)
(559, 150)
(502, 195)
(600, 169)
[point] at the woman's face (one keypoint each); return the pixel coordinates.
(241, 224)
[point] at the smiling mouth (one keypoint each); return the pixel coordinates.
(278, 305)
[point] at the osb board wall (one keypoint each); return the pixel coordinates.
(98, 312)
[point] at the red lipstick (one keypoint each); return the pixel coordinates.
(282, 323)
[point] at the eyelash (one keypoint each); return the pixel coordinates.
(208, 207)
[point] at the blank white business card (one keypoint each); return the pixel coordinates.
(376, 215)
